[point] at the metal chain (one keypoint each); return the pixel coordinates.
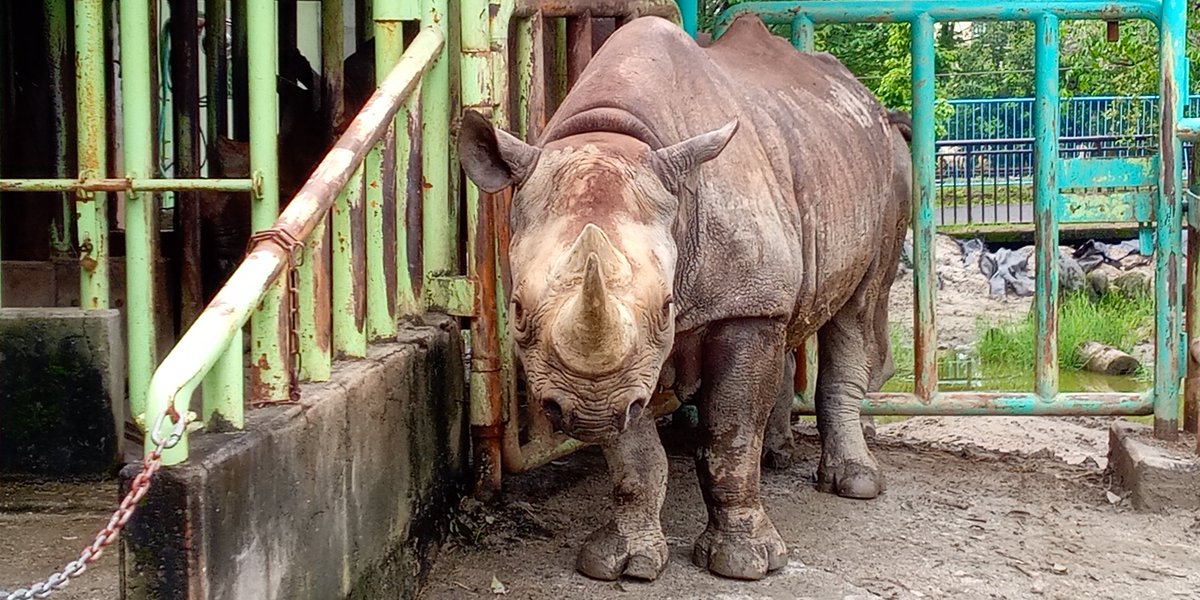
(294, 332)
(108, 535)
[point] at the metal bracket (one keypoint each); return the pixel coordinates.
(454, 295)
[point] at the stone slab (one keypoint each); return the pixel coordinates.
(345, 495)
(1157, 476)
(62, 391)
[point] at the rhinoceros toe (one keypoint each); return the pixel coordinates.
(607, 555)
(858, 478)
(740, 555)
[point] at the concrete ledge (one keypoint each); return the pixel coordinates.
(1158, 476)
(62, 391)
(343, 496)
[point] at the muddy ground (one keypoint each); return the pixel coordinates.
(43, 526)
(1016, 512)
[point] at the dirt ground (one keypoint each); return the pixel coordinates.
(43, 526)
(996, 508)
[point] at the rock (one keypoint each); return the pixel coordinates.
(1097, 283)
(1157, 476)
(1134, 284)
(1102, 358)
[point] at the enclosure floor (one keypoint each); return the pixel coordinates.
(43, 526)
(957, 523)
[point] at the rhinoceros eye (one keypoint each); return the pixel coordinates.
(666, 307)
(519, 323)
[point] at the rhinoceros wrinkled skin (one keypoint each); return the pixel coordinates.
(689, 215)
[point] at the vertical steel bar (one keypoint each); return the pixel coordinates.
(802, 33)
(92, 152)
(217, 82)
(689, 11)
(59, 68)
(485, 401)
(313, 287)
(579, 46)
(349, 308)
(224, 389)
(141, 216)
(1045, 205)
(440, 217)
(924, 330)
(185, 89)
(380, 320)
(1168, 257)
(332, 53)
(241, 93)
(525, 61)
(269, 343)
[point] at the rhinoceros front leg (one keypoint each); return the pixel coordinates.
(632, 543)
(743, 361)
(844, 350)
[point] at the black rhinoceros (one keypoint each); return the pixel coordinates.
(690, 215)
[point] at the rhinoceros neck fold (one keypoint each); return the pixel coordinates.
(604, 119)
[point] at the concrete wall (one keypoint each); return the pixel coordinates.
(62, 391)
(343, 496)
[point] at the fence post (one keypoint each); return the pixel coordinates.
(440, 222)
(141, 223)
(1046, 205)
(924, 333)
(92, 151)
(1168, 288)
(268, 326)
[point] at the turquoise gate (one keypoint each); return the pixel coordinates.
(1148, 191)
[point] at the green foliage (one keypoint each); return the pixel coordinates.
(1113, 319)
(993, 59)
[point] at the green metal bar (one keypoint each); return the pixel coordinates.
(802, 33)
(560, 60)
(380, 320)
(440, 218)
(1045, 204)
(224, 388)
(389, 45)
(208, 338)
(924, 290)
(130, 184)
(525, 68)
(268, 326)
(92, 152)
(1168, 255)
(314, 327)
(998, 404)
(141, 234)
(349, 333)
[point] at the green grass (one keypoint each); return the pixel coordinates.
(984, 193)
(1113, 319)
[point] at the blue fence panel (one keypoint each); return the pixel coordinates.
(985, 153)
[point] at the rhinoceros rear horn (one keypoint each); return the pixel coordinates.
(492, 158)
(673, 164)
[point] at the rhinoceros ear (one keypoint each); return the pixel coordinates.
(673, 164)
(492, 158)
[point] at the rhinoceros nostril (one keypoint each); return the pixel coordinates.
(553, 410)
(633, 411)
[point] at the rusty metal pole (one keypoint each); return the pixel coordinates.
(185, 88)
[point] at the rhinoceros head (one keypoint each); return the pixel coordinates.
(593, 264)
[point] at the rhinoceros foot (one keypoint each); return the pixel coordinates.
(608, 554)
(849, 476)
(740, 554)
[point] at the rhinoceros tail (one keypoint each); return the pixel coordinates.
(903, 123)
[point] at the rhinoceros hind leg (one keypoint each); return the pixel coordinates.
(847, 466)
(778, 446)
(743, 362)
(632, 543)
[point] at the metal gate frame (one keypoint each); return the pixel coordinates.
(1158, 198)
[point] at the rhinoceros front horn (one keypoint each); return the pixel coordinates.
(593, 332)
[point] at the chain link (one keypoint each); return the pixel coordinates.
(111, 531)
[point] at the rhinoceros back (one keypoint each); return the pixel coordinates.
(786, 221)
